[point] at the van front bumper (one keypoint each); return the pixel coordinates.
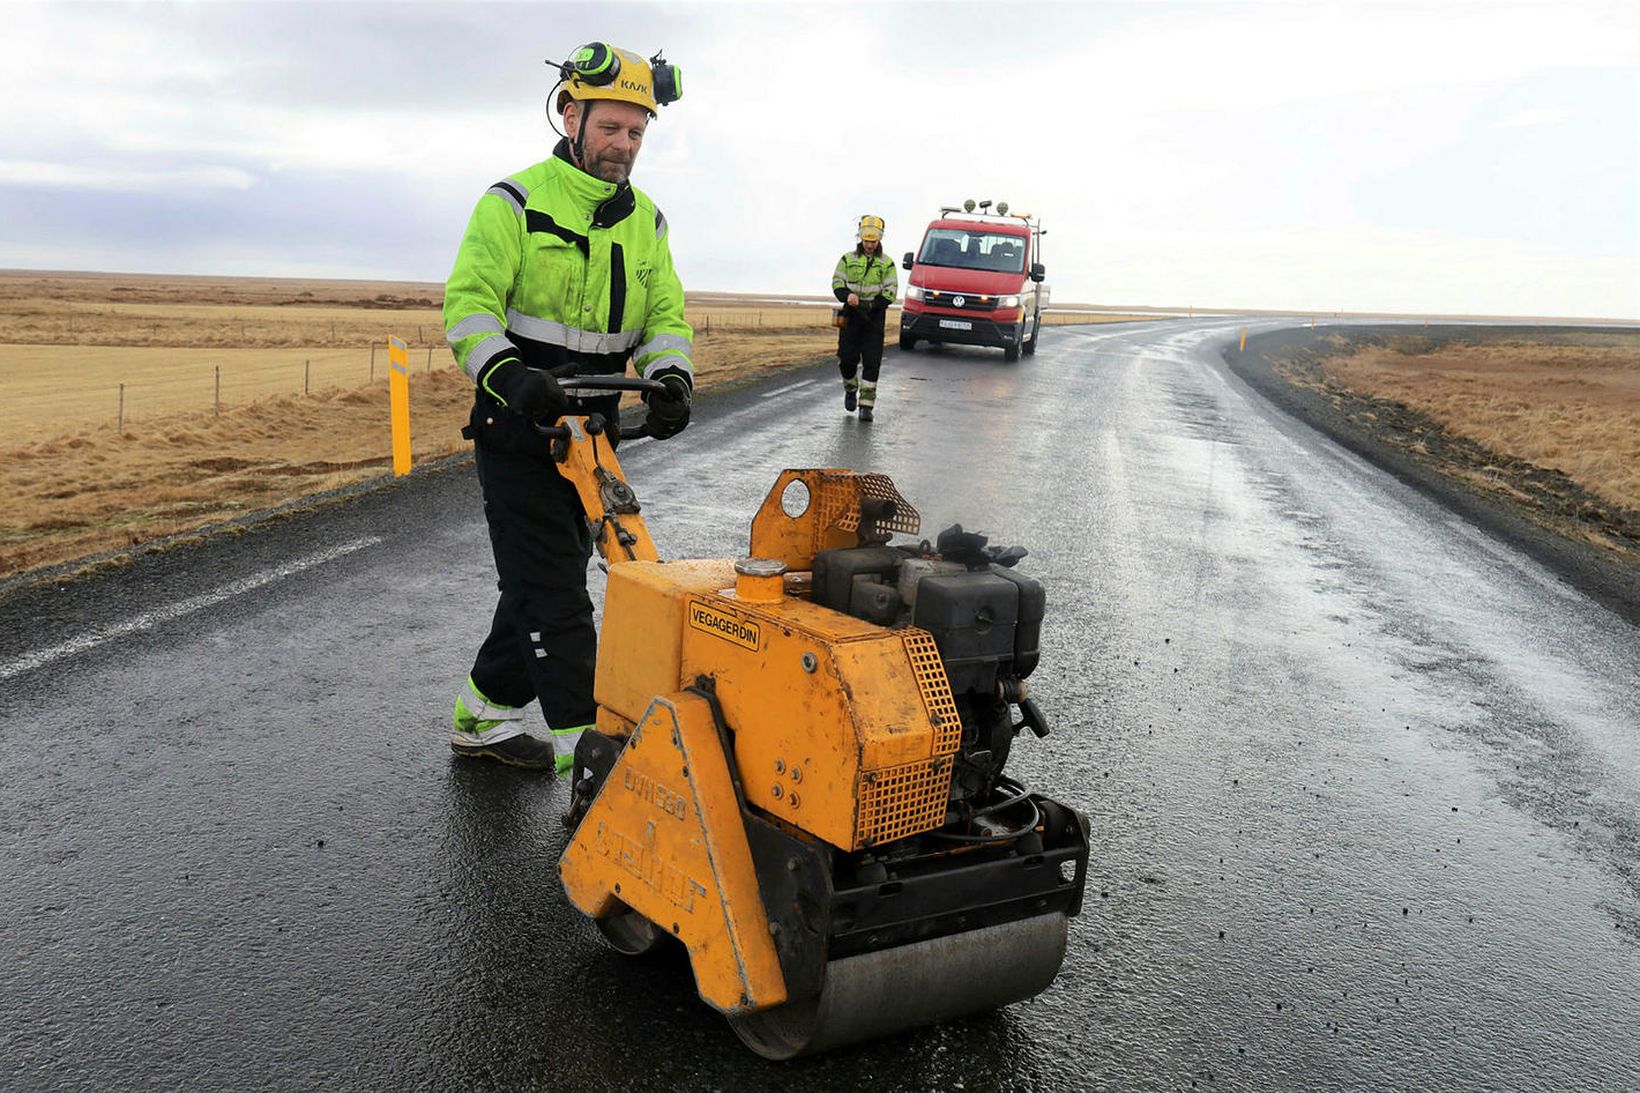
(960, 329)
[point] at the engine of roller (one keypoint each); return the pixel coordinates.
(985, 620)
(799, 774)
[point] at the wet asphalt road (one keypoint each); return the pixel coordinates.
(1364, 783)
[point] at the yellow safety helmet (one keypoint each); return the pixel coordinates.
(599, 71)
(870, 229)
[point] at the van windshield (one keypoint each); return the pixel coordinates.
(973, 250)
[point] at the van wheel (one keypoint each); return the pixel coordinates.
(1010, 353)
(907, 342)
(1036, 329)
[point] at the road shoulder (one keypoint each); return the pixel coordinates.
(1538, 510)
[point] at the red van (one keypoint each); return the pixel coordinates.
(977, 280)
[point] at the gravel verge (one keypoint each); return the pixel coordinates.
(1589, 543)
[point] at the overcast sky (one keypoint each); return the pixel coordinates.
(1446, 158)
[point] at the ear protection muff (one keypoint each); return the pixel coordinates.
(668, 80)
(594, 63)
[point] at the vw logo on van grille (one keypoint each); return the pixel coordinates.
(964, 301)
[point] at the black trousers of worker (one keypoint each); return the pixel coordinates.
(860, 343)
(542, 642)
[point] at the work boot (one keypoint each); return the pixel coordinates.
(488, 730)
(865, 413)
(848, 399)
(518, 750)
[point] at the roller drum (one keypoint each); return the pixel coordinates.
(880, 993)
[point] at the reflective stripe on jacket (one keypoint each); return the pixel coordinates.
(870, 277)
(559, 267)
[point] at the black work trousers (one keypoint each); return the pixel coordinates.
(542, 643)
(860, 343)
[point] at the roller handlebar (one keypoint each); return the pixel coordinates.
(596, 423)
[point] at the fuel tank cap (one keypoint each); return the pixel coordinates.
(760, 580)
(760, 567)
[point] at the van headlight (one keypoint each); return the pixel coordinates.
(912, 292)
(1007, 301)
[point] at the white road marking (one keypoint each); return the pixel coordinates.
(149, 620)
(788, 387)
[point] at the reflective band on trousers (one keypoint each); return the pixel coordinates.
(481, 710)
(571, 338)
(564, 740)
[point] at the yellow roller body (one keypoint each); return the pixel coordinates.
(841, 728)
(665, 838)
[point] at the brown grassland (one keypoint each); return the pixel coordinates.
(137, 408)
(1569, 407)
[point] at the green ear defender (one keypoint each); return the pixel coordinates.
(594, 63)
(668, 80)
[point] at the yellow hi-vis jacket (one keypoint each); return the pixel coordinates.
(558, 267)
(870, 277)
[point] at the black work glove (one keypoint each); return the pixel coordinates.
(530, 394)
(668, 408)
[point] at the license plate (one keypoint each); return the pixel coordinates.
(956, 324)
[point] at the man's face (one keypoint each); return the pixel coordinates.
(870, 245)
(614, 132)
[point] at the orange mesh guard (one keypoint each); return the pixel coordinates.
(906, 800)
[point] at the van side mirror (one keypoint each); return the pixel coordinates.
(1037, 272)
(907, 262)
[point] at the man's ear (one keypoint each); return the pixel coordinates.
(572, 119)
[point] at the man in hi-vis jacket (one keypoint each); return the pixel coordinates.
(564, 267)
(865, 284)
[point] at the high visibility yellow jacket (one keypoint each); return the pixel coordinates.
(871, 277)
(558, 267)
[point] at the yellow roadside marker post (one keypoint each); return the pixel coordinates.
(1243, 338)
(398, 400)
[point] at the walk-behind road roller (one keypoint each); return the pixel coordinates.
(798, 768)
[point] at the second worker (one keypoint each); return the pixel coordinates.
(865, 284)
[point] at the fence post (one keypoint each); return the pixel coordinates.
(372, 361)
(306, 371)
(217, 409)
(122, 410)
(429, 358)
(419, 338)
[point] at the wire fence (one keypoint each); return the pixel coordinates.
(707, 320)
(119, 387)
(138, 371)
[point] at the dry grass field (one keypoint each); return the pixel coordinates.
(134, 408)
(1569, 407)
(143, 350)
